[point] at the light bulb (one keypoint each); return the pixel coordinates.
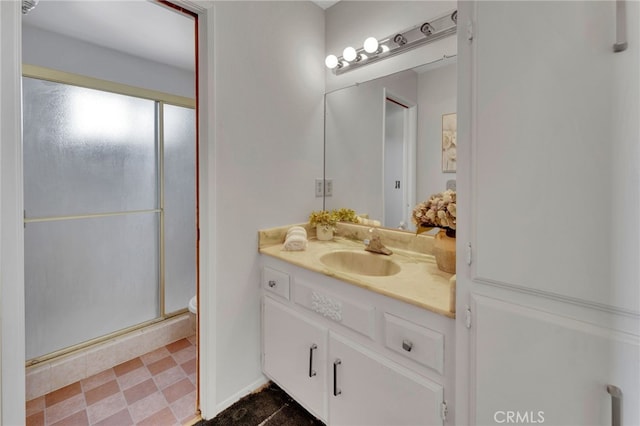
(371, 45)
(349, 54)
(331, 61)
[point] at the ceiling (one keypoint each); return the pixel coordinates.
(139, 28)
(325, 4)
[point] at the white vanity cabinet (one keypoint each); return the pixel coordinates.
(295, 352)
(369, 390)
(549, 304)
(355, 358)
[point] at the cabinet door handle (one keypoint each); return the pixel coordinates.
(621, 26)
(407, 345)
(336, 391)
(272, 283)
(616, 405)
(311, 349)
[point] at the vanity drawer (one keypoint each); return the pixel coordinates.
(421, 344)
(276, 282)
(360, 318)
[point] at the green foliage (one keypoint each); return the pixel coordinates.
(345, 215)
(323, 217)
(330, 218)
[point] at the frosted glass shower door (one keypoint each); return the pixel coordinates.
(91, 214)
(87, 278)
(87, 151)
(179, 206)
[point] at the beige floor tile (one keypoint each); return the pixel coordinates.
(106, 407)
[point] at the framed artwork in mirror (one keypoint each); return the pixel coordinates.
(449, 143)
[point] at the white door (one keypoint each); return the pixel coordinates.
(294, 355)
(367, 390)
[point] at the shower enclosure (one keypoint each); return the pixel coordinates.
(110, 221)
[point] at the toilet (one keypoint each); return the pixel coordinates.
(193, 312)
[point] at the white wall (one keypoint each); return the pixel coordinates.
(269, 85)
(437, 91)
(349, 23)
(52, 50)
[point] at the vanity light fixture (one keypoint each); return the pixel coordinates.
(371, 45)
(349, 54)
(400, 40)
(28, 6)
(331, 61)
(426, 29)
(375, 50)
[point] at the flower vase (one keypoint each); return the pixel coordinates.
(324, 233)
(444, 250)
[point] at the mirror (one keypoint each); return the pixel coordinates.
(385, 145)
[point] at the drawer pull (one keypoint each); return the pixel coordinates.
(616, 405)
(407, 345)
(311, 349)
(272, 283)
(336, 391)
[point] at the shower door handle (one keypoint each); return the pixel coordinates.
(616, 405)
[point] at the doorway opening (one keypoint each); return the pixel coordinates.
(400, 124)
(110, 217)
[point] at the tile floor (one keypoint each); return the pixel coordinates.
(154, 389)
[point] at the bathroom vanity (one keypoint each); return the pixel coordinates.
(355, 348)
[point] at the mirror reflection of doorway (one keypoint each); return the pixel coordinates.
(399, 156)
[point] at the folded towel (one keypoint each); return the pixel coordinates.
(295, 242)
(368, 222)
(297, 230)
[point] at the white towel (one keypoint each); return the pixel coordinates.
(295, 242)
(368, 222)
(299, 230)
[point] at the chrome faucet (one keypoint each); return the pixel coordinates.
(374, 244)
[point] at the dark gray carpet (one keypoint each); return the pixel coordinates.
(269, 407)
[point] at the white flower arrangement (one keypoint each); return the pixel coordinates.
(439, 211)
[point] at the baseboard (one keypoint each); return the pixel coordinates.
(253, 387)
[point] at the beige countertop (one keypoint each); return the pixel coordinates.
(419, 281)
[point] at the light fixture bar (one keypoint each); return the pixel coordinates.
(400, 42)
(28, 5)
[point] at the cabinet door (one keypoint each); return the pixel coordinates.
(294, 355)
(368, 390)
(549, 369)
(555, 137)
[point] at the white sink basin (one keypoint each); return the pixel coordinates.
(360, 262)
